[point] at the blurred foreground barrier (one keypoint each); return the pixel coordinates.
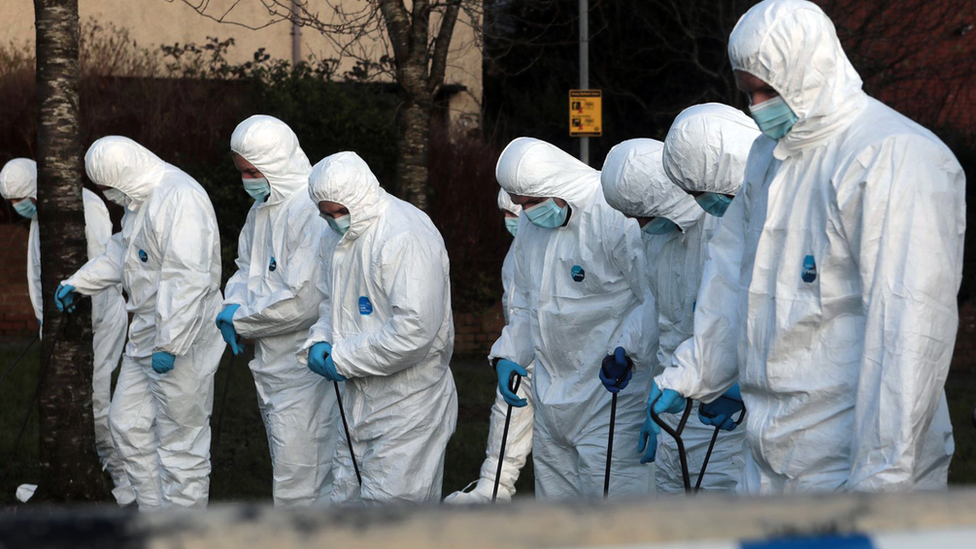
(854, 521)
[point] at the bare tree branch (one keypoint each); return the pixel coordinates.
(442, 44)
(397, 26)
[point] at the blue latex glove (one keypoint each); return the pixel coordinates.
(721, 411)
(65, 298)
(317, 355)
(617, 370)
(320, 361)
(330, 370)
(162, 362)
(225, 321)
(226, 315)
(647, 442)
(504, 370)
(670, 402)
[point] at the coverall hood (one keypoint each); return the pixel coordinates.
(18, 179)
(707, 147)
(793, 46)
(121, 163)
(273, 148)
(345, 178)
(635, 184)
(506, 205)
(530, 167)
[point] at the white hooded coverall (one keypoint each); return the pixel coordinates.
(519, 442)
(282, 248)
(388, 317)
(167, 258)
(18, 179)
(580, 292)
(635, 182)
(830, 291)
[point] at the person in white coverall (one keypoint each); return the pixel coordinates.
(519, 442)
(830, 292)
(274, 299)
(580, 293)
(167, 258)
(386, 330)
(18, 184)
(675, 232)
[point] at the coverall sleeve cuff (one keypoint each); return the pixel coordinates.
(78, 284)
(166, 350)
(302, 354)
(338, 360)
(672, 378)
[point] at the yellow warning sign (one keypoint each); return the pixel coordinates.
(585, 113)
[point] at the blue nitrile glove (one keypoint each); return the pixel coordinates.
(226, 315)
(670, 402)
(330, 371)
(65, 297)
(617, 370)
(721, 411)
(647, 442)
(225, 321)
(320, 361)
(504, 370)
(162, 362)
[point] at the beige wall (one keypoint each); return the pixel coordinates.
(156, 22)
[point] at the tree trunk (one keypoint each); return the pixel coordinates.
(413, 142)
(71, 471)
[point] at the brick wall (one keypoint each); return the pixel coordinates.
(474, 333)
(16, 313)
(964, 357)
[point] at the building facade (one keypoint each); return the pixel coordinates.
(255, 24)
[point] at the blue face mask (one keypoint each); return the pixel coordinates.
(547, 214)
(257, 188)
(714, 203)
(511, 223)
(774, 117)
(659, 225)
(26, 208)
(338, 224)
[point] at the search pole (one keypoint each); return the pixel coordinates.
(584, 67)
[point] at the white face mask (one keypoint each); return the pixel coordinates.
(117, 196)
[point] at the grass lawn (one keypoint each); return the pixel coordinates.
(242, 468)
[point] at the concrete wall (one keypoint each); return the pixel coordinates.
(161, 22)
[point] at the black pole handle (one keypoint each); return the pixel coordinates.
(514, 380)
(676, 435)
(345, 427)
(619, 355)
(742, 415)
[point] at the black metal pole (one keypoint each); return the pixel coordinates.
(345, 426)
(606, 475)
(24, 352)
(223, 399)
(501, 449)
